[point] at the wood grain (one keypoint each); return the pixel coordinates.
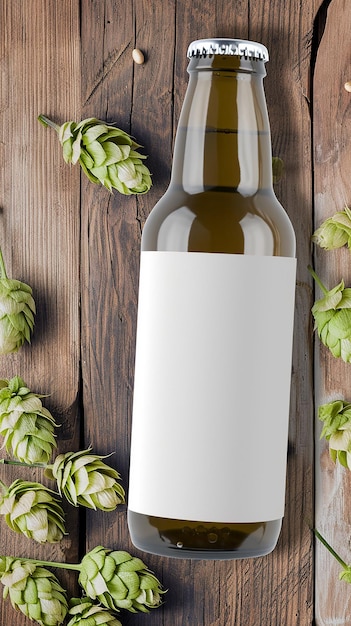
(78, 246)
(332, 157)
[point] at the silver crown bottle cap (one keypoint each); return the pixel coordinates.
(228, 47)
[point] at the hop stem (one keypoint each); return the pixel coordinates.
(45, 121)
(331, 550)
(11, 462)
(318, 280)
(70, 566)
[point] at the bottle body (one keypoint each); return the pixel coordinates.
(208, 244)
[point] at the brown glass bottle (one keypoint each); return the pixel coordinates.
(220, 201)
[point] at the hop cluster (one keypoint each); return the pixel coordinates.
(332, 316)
(33, 510)
(336, 418)
(85, 613)
(17, 310)
(33, 590)
(119, 581)
(84, 479)
(106, 154)
(115, 579)
(27, 426)
(335, 232)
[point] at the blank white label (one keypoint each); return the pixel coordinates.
(212, 386)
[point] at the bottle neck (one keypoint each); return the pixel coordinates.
(223, 138)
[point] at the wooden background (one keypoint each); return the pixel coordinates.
(78, 247)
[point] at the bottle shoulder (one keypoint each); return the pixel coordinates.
(219, 220)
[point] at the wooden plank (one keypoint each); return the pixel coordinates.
(332, 161)
(276, 589)
(287, 88)
(110, 252)
(40, 59)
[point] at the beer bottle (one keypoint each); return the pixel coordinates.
(215, 325)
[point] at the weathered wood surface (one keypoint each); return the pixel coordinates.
(78, 246)
(40, 227)
(332, 157)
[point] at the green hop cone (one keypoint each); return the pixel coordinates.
(27, 427)
(33, 590)
(85, 613)
(17, 310)
(106, 154)
(119, 581)
(335, 232)
(332, 316)
(33, 510)
(336, 417)
(84, 479)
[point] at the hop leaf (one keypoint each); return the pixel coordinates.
(84, 479)
(86, 613)
(335, 232)
(17, 310)
(332, 316)
(33, 510)
(106, 154)
(119, 581)
(27, 427)
(33, 590)
(337, 430)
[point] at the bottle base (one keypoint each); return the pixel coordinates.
(202, 540)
